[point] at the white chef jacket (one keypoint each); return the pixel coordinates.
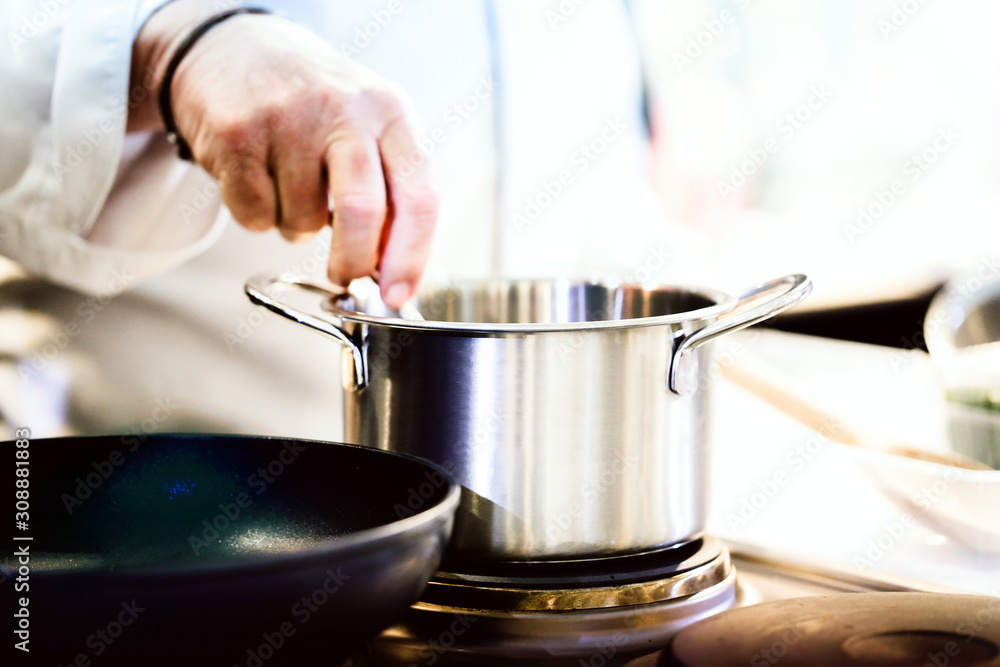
(179, 347)
(556, 86)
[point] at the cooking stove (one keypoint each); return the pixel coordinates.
(611, 612)
(802, 521)
(551, 613)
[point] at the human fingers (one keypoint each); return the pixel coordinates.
(357, 188)
(414, 210)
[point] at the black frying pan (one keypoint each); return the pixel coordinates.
(225, 550)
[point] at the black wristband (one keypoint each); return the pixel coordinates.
(166, 111)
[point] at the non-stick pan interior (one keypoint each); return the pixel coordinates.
(107, 503)
(202, 549)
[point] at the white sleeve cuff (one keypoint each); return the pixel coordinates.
(108, 205)
(90, 99)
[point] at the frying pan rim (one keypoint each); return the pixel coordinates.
(361, 540)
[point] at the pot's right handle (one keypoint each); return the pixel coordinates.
(265, 291)
(794, 288)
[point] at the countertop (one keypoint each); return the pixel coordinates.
(781, 486)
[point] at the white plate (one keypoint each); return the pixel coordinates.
(963, 504)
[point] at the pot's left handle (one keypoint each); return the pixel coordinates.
(752, 308)
(266, 291)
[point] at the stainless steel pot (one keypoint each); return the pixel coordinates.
(575, 415)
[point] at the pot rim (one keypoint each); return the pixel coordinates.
(723, 303)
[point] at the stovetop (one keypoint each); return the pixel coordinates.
(761, 577)
(765, 575)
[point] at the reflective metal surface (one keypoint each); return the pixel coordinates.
(551, 402)
(544, 638)
(473, 624)
(962, 332)
(670, 574)
(464, 634)
(963, 314)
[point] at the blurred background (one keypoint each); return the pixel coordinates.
(855, 140)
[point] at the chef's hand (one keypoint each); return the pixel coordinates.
(292, 130)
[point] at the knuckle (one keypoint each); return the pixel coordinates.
(343, 268)
(390, 100)
(250, 134)
(360, 208)
(248, 206)
(334, 104)
(234, 133)
(232, 172)
(304, 222)
(420, 203)
(361, 161)
(281, 113)
(406, 264)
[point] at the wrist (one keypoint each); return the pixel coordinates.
(152, 50)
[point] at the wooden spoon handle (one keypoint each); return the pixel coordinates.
(767, 383)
